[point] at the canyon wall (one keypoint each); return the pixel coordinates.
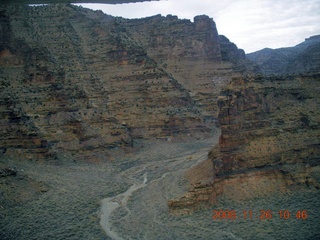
(269, 122)
(270, 140)
(76, 83)
(190, 52)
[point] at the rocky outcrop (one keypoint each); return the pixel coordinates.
(268, 122)
(82, 82)
(191, 52)
(302, 58)
(269, 140)
(230, 51)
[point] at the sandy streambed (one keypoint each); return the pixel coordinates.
(109, 205)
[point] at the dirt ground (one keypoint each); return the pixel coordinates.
(63, 200)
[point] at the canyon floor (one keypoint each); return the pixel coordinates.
(62, 200)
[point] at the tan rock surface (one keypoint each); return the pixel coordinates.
(83, 82)
(269, 142)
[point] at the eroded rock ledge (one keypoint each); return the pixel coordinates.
(77, 83)
(270, 139)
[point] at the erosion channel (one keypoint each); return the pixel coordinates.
(110, 204)
(62, 200)
(160, 180)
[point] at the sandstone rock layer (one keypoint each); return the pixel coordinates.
(270, 140)
(76, 83)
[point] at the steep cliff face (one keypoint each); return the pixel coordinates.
(230, 51)
(301, 58)
(192, 52)
(270, 139)
(166, 37)
(76, 83)
(269, 122)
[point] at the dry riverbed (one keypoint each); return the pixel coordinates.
(127, 199)
(62, 200)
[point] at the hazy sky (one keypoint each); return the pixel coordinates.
(251, 24)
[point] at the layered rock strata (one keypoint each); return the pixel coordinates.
(270, 139)
(76, 82)
(269, 122)
(191, 52)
